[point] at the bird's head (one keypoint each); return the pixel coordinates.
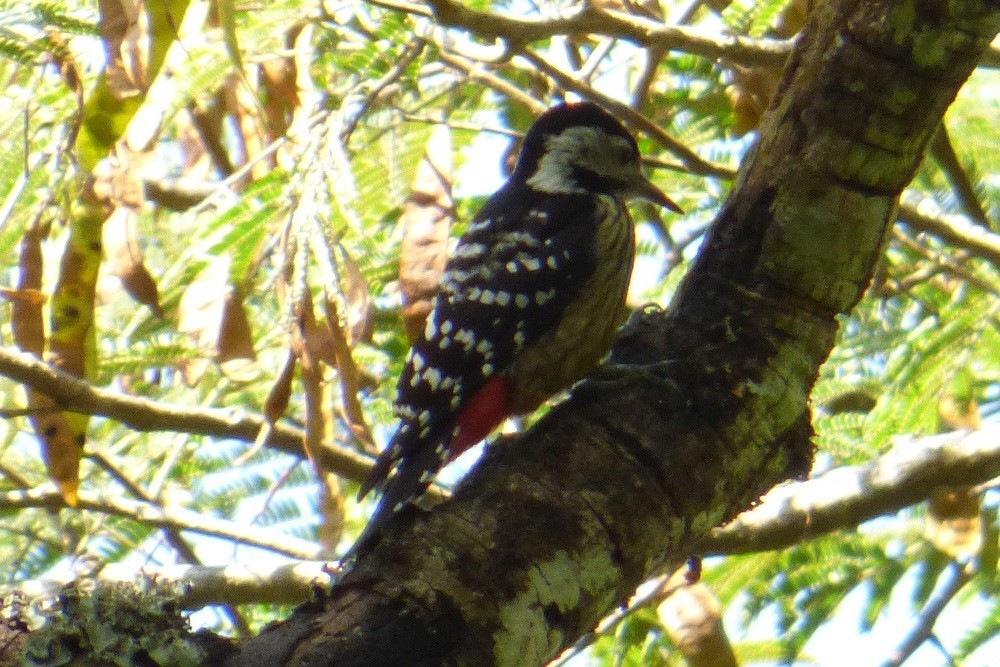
(574, 148)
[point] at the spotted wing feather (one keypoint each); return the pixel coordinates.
(512, 275)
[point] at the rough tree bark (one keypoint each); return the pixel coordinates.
(702, 408)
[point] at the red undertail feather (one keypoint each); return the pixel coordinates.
(485, 410)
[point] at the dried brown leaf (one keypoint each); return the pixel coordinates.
(236, 355)
(208, 119)
(127, 46)
(752, 88)
(121, 251)
(349, 382)
(276, 403)
(69, 71)
(26, 313)
(200, 312)
(60, 447)
(281, 95)
(953, 522)
(358, 300)
(312, 381)
(426, 220)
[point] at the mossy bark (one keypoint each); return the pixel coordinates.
(702, 408)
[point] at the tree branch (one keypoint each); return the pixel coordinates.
(845, 497)
(76, 395)
(701, 409)
(839, 499)
(954, 229)
(591, 20)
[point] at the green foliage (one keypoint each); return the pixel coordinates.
(806, 583)
(926, 331)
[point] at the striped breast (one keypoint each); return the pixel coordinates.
(584, 333)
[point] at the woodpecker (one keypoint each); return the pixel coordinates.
(529, 302)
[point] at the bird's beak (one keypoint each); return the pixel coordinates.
(646, 190)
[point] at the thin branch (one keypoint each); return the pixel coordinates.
(838, 499)
(845, 497)
(944, 154)
(75, 395)
(478, 72)
(172, 535)
(161, 517)
(954, 229)
(958, 576)
(591, 20)
(692, 161)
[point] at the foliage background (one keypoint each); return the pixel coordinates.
(254, 196)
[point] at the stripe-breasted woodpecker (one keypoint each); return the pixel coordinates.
(529, 302)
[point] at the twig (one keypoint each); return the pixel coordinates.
(692, 161)
(591, 20)
(162, 517)
(76, 395)
(944, 154)
(954, 229)
(958, 576)
(172, 535)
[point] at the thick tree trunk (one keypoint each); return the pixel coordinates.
(703, 407)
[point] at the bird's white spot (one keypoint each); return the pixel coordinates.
(417, 361)
(474, 294)
(470, 250)
(455, 401)
(456, 276)
(430, 330)
(425, 431)
(519, 338)
(487, 369)
(531, 263)
(487, 297)
(521, 300)
(485, 347)
(466, 337)
(511, 267)
(444, 342)
(424, 417)
(446, 327)
(551, 262)
(503, 298)
(425, 476)
(433, 377)
(478, 226)
(542, 297)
